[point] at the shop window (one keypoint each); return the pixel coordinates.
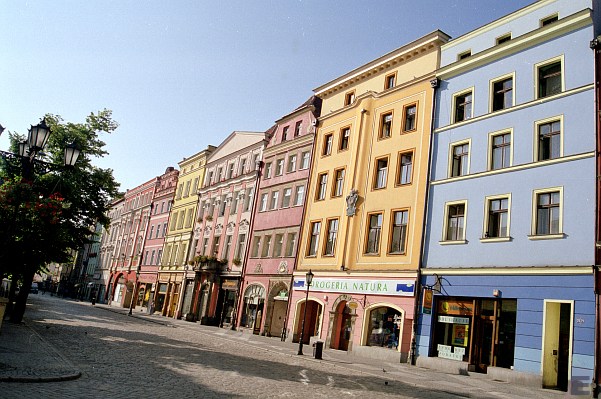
(254, 298)
(384, 327)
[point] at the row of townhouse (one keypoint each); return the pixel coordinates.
(443, 197)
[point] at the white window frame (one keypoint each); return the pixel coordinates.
(450, 160)
(535, 194)
(491, 96)
(487, 201)
(445, 226)
(535, 145)
(453, 101)
(542, 64)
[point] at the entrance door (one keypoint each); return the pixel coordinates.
(556, 348)
(278, 317)
(484, 335)
(342, 327)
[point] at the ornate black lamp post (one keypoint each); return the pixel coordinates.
(308, 281)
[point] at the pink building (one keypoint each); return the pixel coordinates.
(129, 222)
(277, 222)
(155, 236)
(222, 228)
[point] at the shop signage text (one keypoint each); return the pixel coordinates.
(447, 352)
(453, 320)
(377, 287)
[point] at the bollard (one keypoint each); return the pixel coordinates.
(317, 349)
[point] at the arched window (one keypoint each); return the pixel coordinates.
(384, 327)
(254, 297)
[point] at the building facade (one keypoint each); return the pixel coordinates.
(176, 249)
(276, 222)
(362, 229)
(154, 239)
(508, 268)
(131, 216)
(222, 229)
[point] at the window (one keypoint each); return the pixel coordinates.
(290, 244)
(503, 39)
(464, 55)
(338, 183)
(389, 81)
(219, 174)
(349, 98)
(386, 125)
(500, 151)
(264, 197)
(405, 174)
(460, 159)
(322, 181)
(277, 246)
(187, 189)
(222, 205)
(228, 247)
(241, 246)
(291, 163)
(297, 128)
(497, 217)
(548, 212)
(345, 135)
(549, 20)
(234, 205)
(230, 170)
(373, 234)
(410, 114)
(327, 144)
(331, 237)
(159, 254)
(549, 140)
(242, 166)
(189, 216)
(215, 249)
(151, 231)
(455, 220)
(462, 105)
(250, 196)
(152, 257)
(268, 167)
(285, 133)
(502, 94)
(279, 167)
(286, 197)
(299, 198)
(381, 173)
(210, 178)
(398, 236)
(256, 245)
(314, 238)
(266, 247)
(549, 79)
(274, 200)
(305, 159)
(383, 327)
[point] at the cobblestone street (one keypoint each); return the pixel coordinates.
(130, 357)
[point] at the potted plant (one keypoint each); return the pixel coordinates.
(236, 261)
(208, 218)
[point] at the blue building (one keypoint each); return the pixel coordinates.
(508, 266)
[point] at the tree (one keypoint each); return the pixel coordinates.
(46, 211)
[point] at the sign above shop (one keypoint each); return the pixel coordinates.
(358, 286)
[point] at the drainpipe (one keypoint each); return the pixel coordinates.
(418, 286)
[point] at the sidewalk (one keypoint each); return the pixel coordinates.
(25, 356)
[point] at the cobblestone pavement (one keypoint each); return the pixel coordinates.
(148, 356)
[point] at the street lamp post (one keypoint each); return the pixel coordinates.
(308, 280)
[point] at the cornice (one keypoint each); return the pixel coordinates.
(389, 60)
(502, 270)
(568, 24)
(303, 140)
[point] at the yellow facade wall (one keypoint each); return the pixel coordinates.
(364, 118)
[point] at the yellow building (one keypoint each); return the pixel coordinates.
(362, 230)
(176, 250)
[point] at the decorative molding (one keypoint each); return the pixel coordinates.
(283, 267)
(258, 269)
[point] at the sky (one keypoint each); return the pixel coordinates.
(180, 75)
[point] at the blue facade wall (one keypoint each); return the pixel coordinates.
(530, 291)
(524, 22)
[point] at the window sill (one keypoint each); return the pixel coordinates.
(457, 242)
(396, 253)
(495, 239)
(371, 254)
(547, 236)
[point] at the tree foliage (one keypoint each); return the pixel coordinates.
(47, 211)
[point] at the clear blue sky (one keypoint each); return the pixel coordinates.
(180, 75)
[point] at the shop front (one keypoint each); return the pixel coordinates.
(166, 297)
(226, 302)
(368, 316)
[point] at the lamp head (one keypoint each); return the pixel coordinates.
(309, 277)
(38, 136)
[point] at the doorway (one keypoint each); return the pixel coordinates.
(484, 334)
(342, 327)
(557, 340)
